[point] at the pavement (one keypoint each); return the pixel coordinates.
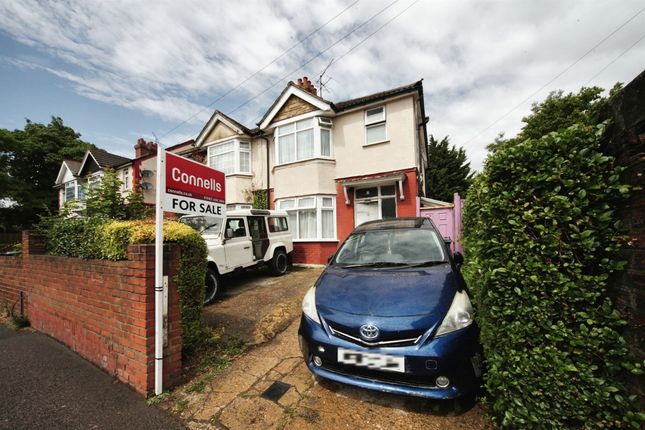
(44, 385)
(234, 400)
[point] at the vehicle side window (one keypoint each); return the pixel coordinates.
(277, 224)
(237, 225)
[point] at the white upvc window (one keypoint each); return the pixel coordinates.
(375, 125)
(70, 191)
(311, 218)
(126, 179)
(303, 140)
(231, 157)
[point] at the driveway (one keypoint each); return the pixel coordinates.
(44, 385)
(237, 399)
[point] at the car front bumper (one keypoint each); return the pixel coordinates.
(456, 356)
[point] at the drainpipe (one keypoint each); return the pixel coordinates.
(266, 140)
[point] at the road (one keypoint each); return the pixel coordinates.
(44, 385)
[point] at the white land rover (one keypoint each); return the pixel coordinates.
(245, 238)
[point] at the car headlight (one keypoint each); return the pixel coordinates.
(309, 305)
(460, 314)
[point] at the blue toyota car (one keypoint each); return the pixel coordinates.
(391, 312)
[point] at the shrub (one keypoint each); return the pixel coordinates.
(71, 237)
(542, 240)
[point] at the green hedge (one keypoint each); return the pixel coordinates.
(108, 239)
(541, 240)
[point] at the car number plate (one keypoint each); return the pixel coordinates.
(390, 363)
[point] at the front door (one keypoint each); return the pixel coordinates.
(259, 236)
(238, 244)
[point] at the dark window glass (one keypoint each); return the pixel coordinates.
(388, 190)
(388, 208)
(366, 193)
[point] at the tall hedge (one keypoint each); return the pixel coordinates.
(541, 240)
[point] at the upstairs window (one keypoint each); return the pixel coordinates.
(230, 157)
(126, 179)
(375, 125)
(302, 140)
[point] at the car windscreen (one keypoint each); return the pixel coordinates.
(203, 224)
(392, 247)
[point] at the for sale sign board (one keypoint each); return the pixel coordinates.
(193, 188)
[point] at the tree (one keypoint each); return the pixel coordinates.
(560, 111)
(448, 170)
(29, 162)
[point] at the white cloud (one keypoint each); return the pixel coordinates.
(479, 59)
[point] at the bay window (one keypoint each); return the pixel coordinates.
(70, 191)
(232, 157)
(311, 217)
(302, 140)
(375, 125)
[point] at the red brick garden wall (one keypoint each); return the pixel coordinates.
(103, 310)
(313, 252)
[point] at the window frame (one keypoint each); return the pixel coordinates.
(237, 150)
(125, 176)
(378, 197)
(373, 123)
(317, 132)
(318, 207)
(70, 185)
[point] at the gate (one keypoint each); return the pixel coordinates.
(447, 218)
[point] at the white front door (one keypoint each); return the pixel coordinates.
(237, 248)
(366, 211)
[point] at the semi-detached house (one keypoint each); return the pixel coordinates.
(329, 165)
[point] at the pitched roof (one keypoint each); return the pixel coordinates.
(290, 85)
(107, 159)
(73, 166)
(364, 100)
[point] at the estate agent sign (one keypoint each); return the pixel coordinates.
(192, 188)
(187, 187)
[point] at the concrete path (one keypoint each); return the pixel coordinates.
(44, 385)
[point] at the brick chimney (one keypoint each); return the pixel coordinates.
(306, 85)
(143, 148)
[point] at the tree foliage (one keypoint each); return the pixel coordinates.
(448, 170)
(542, 239)
(29, 162)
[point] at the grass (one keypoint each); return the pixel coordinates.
(155, 400)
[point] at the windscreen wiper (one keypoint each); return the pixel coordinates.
(374, 264)
(422, 264)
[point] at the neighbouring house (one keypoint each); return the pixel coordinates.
(75, 178)
(329, 165)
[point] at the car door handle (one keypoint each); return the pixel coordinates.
(247, 247)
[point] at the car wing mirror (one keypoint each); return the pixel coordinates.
(331, 257)
(229, 233)
(458, 258)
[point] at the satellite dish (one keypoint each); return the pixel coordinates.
(147, 173)
(146, 186)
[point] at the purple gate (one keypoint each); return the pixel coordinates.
(447, 218)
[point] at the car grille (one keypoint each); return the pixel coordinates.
(390, 342)
(380, 376)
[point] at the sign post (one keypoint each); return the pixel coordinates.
(187, 187)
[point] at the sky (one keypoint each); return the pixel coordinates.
(118, 70)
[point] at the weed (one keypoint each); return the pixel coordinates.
(196, 387)
(155, 400)
(20, 322)
(180, 406)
